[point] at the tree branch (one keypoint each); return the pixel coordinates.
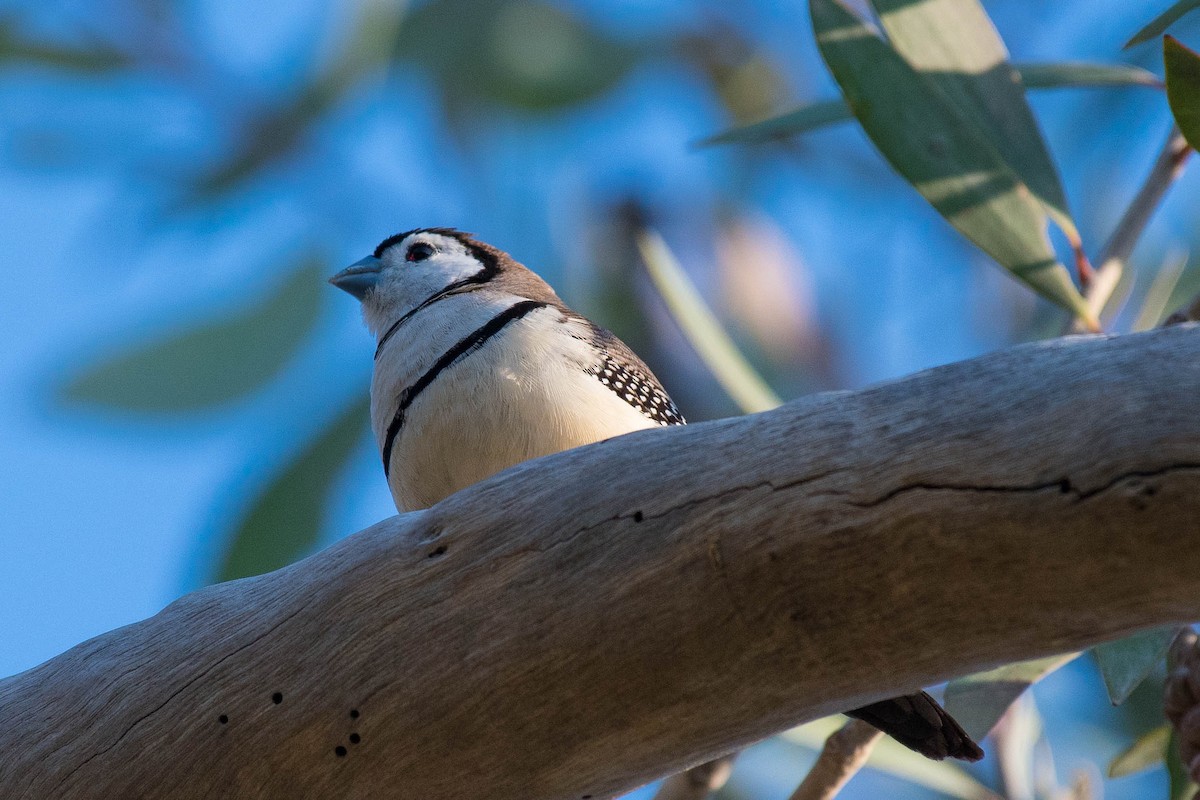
(1119, 247)
(844, 753)
(587, 622)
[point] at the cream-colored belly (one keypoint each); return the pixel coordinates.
(522, 395)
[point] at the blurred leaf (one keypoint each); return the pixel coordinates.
(523, 54)
(284, 523)
(15, 48)
(978, 701)
(1181, 787)
(1034, 76)
(1075, 74)
(941, 153)
(273, 133)
(1183, 87)
(895, 759)
(703, 330)
(1156, 304)
(1149, 750)
(1126, 662)
(803, 119)
(954, 44)
(218, 363)
(1163, 21)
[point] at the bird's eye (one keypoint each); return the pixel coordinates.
(419, 252)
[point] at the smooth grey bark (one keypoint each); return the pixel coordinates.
(584, 623)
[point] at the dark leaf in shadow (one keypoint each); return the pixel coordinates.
(218, 363)
(283, 523)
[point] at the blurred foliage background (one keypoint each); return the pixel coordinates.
(185, 396)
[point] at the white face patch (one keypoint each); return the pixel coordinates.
(414, 269)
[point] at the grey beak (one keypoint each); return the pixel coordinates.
(359, 278)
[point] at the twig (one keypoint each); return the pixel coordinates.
(843, 755)
(697, 782)
(1133, 222)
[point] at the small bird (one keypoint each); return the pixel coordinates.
(479, 366)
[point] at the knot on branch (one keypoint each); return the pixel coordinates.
(1181, 700)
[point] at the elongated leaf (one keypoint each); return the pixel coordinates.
(1157, 302)
(954, 44)
(1034, 76)
(16, 48)
(700, 326)
(978, 701)
(939, 151)
(1148, 751)
(1181, 787)
(803, 119)
(1125, 663)
(274, 133)
(284, 522)
(1183, 87)
(218, 363)
(1081, 74)
(525, 54)
(893, 758)
(1159, 24)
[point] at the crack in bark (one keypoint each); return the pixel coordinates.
(1062, 485)
(177, 692)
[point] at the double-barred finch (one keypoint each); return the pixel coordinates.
(479, 366)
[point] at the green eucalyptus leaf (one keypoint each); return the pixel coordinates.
(1080, 74)
(954, 44)
(1181, 786)
(284, 522)
(1157, 26)
(273, 133)
(1183, 87)
(524, 54)
(16, 48)
(978, 701)
(940, 151)
(1034, 76)
(1125, 663)
(220, 362)
(703, 330)
(803, 119)
(1148, 751)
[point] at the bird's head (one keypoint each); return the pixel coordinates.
(411, 269)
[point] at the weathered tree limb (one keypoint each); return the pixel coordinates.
(845, 752)
(587, 622)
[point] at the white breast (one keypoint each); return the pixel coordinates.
(524, 393)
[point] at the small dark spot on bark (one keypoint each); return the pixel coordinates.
(439, 551)
(637, 516)
(277, 698)
(354, 713)
(355, 738)
(1149, 490)
(772, 556)
(223, 719)
(339, 751)
(1064, 485)
(796, 616)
